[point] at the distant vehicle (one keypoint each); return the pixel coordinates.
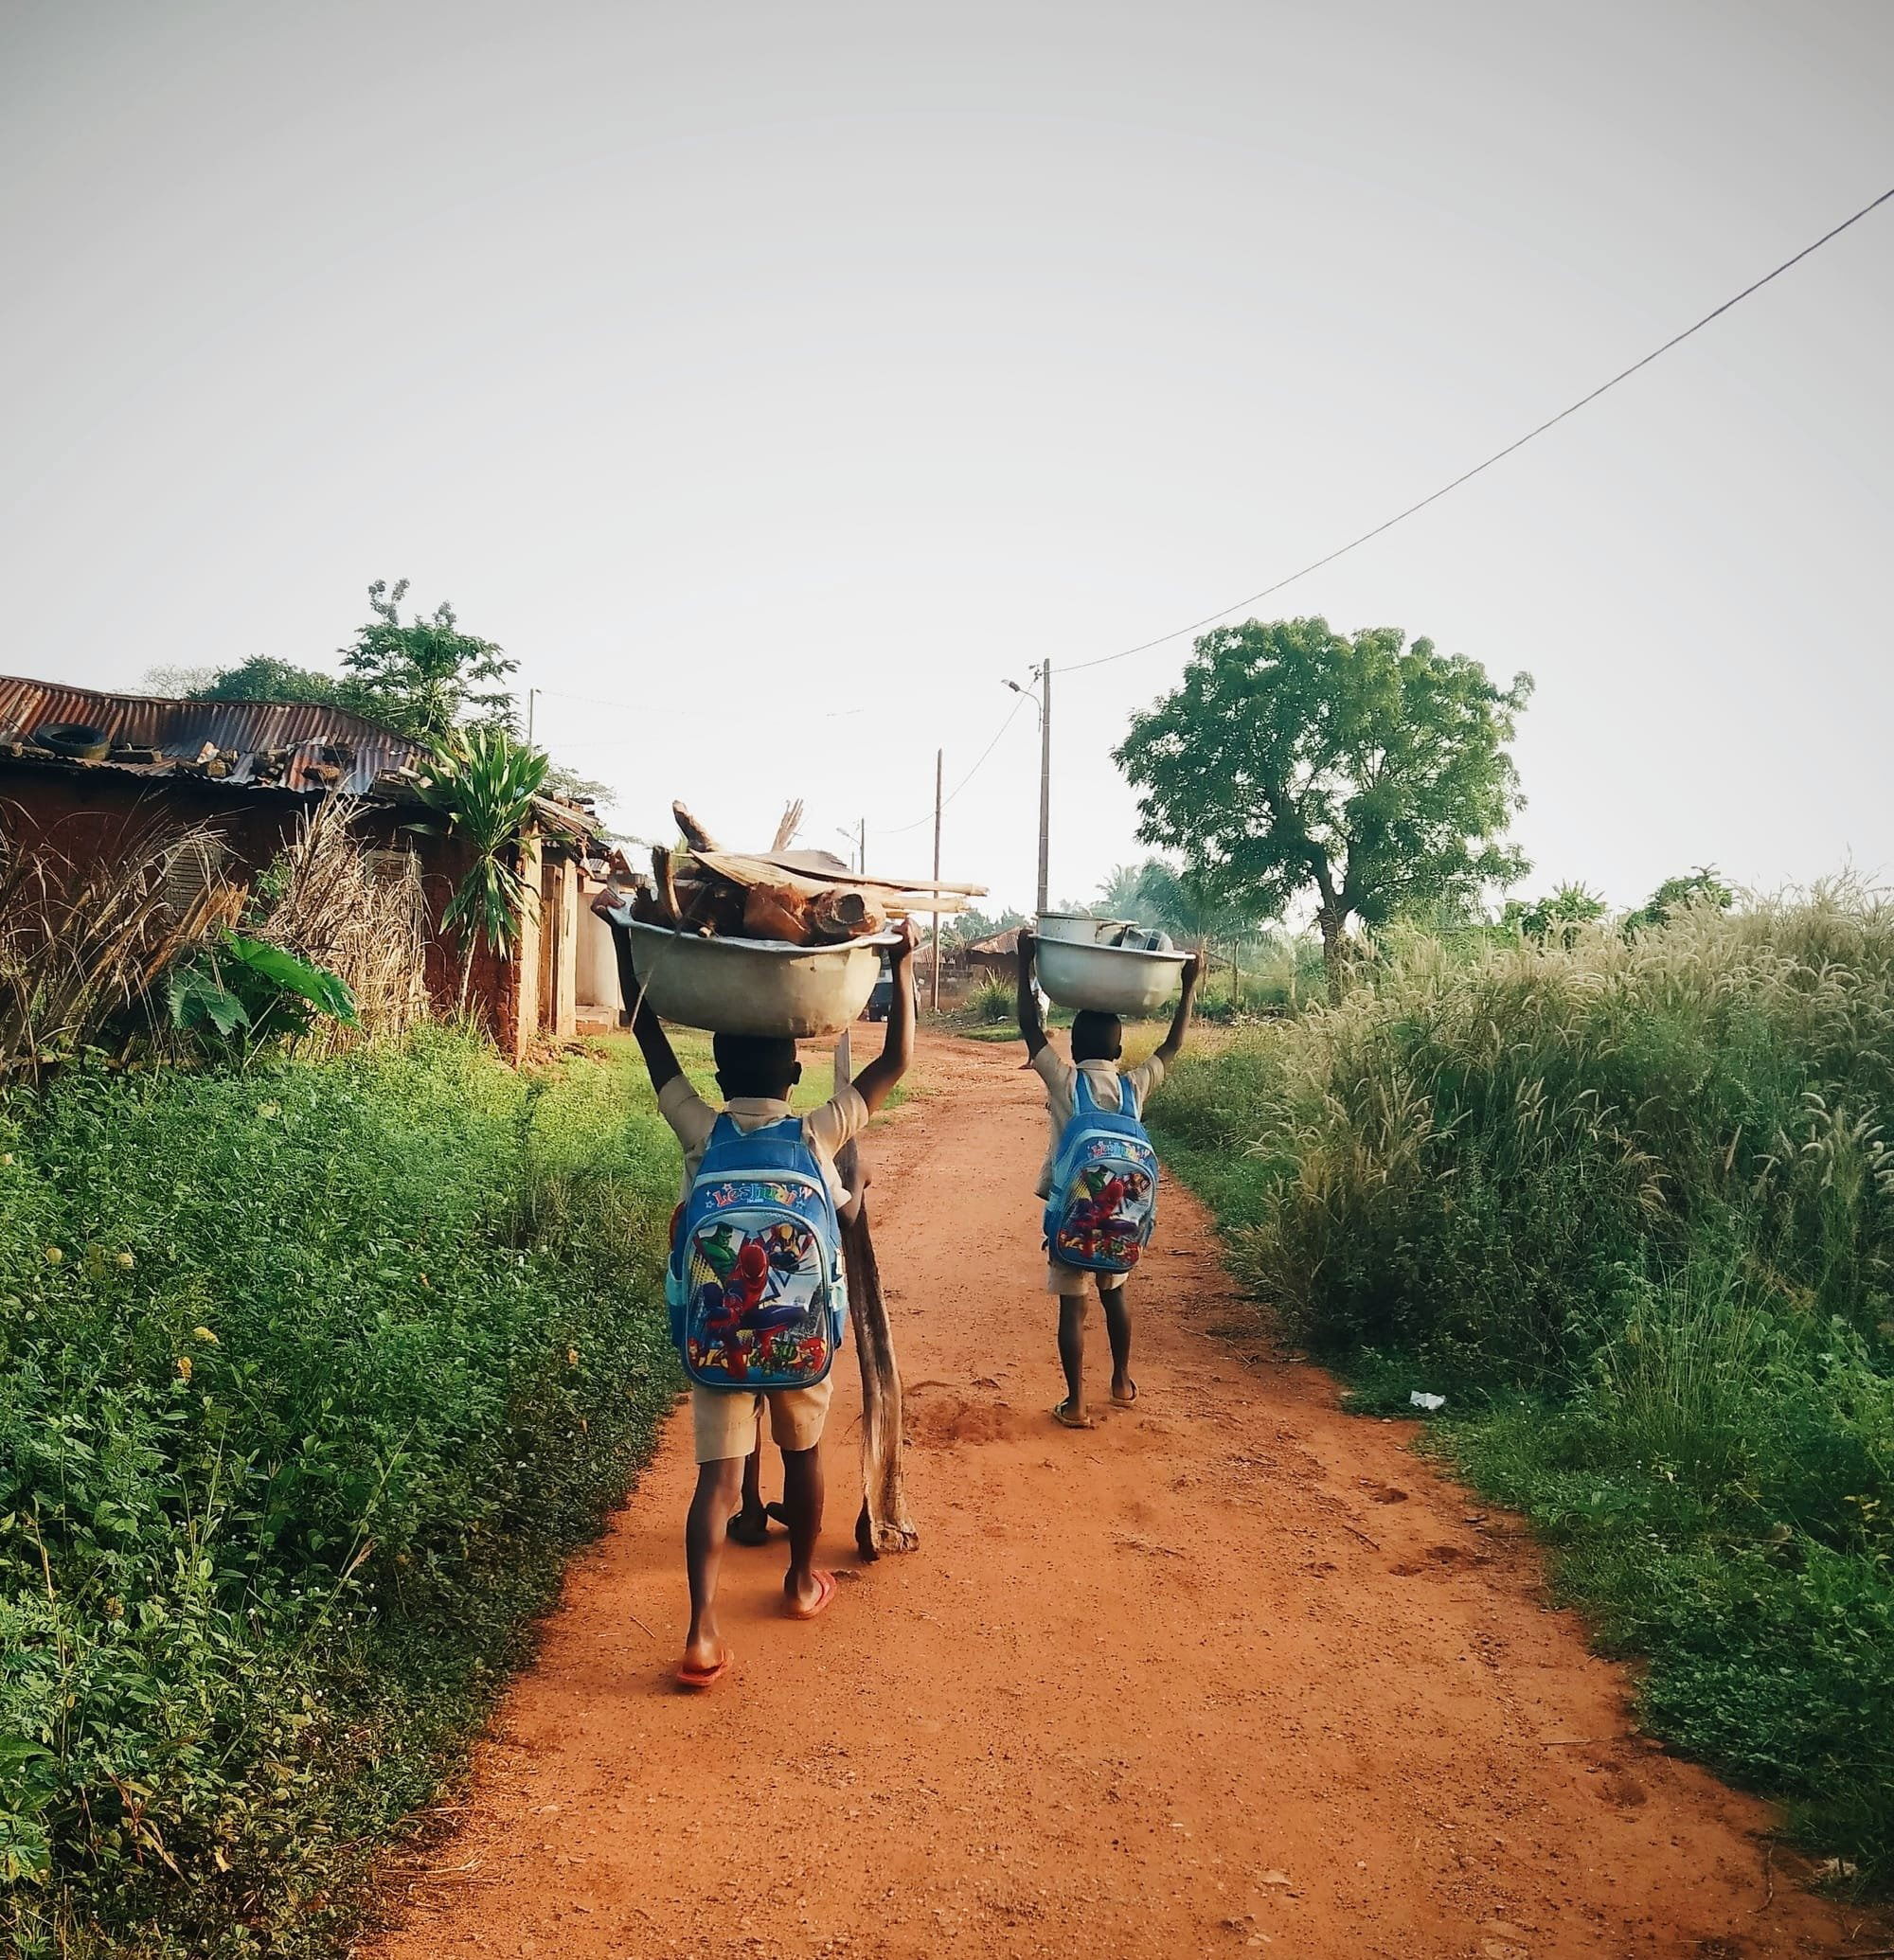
(882, 999)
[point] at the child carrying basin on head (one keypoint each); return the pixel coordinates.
(1107, 1207)
(743, 1293)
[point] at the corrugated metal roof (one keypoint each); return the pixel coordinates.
(318, 739)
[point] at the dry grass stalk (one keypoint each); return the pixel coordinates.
(358, 913)
(80, 943)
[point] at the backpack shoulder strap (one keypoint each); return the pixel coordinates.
(1083, 1103)
(1127, 1099)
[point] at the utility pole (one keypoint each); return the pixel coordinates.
(533, 695)
(938, 755)
(861, 847)
(1042, 702)
(1044, 782)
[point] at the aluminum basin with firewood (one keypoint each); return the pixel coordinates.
(755, 987)
(1107, 979)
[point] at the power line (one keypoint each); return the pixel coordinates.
(594, 700)
(901, 829)
(1498, 455)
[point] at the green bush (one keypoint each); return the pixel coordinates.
(311, 1374)
(1626, 1202)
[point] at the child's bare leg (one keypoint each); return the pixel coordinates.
(1072, 1350)
(704, 1529)
(1117, 1330)
(802, 1491)
(750, 1526)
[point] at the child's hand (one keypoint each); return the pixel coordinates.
(903, 949)
(1028, 946)
(1193, 970)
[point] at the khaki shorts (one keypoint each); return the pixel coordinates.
(1069, 1281)
(729, 1422)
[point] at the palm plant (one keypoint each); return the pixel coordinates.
(485, 783)
(1192, 905)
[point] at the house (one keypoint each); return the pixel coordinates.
(83, 774)
(997, 957)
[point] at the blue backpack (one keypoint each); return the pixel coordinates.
(1104, 1185)
(754, 1281)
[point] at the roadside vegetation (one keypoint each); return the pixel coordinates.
(1622, 1194)
(313, 1373)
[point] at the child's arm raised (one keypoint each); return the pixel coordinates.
(876, 1083)
(660, 1061)
(1032, 1027)
(1173, 1044)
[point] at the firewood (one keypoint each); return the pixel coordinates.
(770, 913)
(790, 824)
(666, 887)
(693, 834)
(886, 1523)
(844, 914)
(711, 907)
(833, 913)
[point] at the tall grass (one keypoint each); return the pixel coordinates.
(357, 914)
(1629, 1205)
(82, 940)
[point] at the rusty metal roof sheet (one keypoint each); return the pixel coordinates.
(320, 740)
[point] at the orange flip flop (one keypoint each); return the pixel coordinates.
(824, 1594)
(697, 1678)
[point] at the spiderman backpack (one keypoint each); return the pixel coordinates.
(754, 1281)
(1104, 1185)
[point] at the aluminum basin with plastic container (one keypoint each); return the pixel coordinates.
(1107, 979)
(755, 987)
(1083, 927)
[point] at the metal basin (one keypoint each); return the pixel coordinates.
(1108, 979)
(755, 987)
(1080, 927)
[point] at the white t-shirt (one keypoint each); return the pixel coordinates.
(1061, 1077)
(827, 1129)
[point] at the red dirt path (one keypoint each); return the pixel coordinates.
(1234, 1673)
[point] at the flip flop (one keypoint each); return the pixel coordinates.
(1124, 1401)
(697, 1678)
(826, 1590)
(1062, 1414)
(747, 1534)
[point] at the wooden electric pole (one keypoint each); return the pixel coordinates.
(938, 755)
(1044, 783)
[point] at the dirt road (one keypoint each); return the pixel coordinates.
(1233, 1672)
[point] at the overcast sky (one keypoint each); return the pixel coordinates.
(773, 381)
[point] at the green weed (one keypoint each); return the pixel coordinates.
(312, 1373)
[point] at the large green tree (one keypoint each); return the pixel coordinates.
(424, 676)
(264, 678)
(1363, 772)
